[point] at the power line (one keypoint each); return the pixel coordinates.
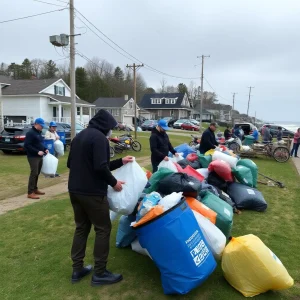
(31, 16)
(49, 3)
(133, 58)
(216, 92)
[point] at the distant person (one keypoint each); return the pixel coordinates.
(227, 133)
(267, 137)
(296, 143)
(279, 134)
(89, 178)
(160, 145)
(255, 134)
(208, 139)
(51, 134)
(35, 151)
(238, 132)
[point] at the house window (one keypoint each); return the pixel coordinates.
(115, 112)
(78, 111)
(173, 101)
(155, 101)
(167, 101)
(59, 90)
(54, 112)
(130, 105)
(171, 113)
(126, 112)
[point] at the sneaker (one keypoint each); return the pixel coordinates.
(106, 278)
(77, 276)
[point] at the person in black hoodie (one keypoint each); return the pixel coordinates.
(90, 175)
(35, 151)
(160, 144)
(208, 139)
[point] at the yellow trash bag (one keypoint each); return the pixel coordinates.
(210, 152)
(252, 268)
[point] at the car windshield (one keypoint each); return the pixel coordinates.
(79, 127)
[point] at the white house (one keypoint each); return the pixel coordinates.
(25, 100)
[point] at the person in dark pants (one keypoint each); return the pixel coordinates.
(160, 145)
(35, 151)
(90, 175)
(227, 133)
(208, 139)
(296, 143)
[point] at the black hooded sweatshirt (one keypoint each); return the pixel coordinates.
(89, 158)
(160, 146)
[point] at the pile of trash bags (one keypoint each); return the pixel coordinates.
(190, 212)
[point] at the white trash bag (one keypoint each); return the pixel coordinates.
(135, 180)
(177, 158)
(136, 246)
(113, 215)
(59, 148)
(204, 172)
(168, 165)
(217, 155)
(50, 163)
(170, 200)
(213, 235)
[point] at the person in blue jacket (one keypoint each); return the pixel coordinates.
(255, 134)
(35, 151)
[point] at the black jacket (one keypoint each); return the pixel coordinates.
(227, 134)
(89, 158)
(34, 142)
(208, 141)
(160, 146)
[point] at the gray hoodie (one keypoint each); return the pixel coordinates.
(267, 135)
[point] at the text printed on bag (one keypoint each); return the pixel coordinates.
(198, 249)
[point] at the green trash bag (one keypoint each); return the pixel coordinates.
(156, 178)
(224, 212)
(252, 166)
(205, 160)
(243, 175)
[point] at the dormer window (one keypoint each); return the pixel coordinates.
(59, 90)
(155, 101)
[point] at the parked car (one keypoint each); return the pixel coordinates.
(195, 122)
(170, 121)
(12, 139)
(189, 126)
(274, 130)
(179, 122)
(247, 127)
(149, 125)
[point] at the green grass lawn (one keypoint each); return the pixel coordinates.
(35, 250)
(14, 168)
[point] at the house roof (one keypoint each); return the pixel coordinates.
(67, 99)
(204, 111)
(27, 86)
(146, 101)
(110, 102)
(5, 79)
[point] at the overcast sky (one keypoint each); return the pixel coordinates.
(250, 42)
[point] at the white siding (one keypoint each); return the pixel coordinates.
(22, 106)
(46, 109)
(50, 89)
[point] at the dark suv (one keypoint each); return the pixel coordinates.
(13, 138)
(274, 130)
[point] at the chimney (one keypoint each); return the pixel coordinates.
(126, 97)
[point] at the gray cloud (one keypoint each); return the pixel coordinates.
(250, 42)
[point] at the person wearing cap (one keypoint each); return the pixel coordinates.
(35, 151)
(89, 178)
(208, 139)
(51, 134)
(160, 145)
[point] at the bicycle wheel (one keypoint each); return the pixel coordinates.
(136, 146)
(281, 154)
(112, 152)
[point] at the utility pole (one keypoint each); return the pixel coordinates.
(201, 101)
(233, 99)
(72, 71)
(134, 67)
(250, 88)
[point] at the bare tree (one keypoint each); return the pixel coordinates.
(95, 67)
(64, 72)
(170, 89)
(163, 83)
(37, 65)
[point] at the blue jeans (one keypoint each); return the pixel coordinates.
(295, 149)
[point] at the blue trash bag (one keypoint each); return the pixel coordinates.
(147, 203)
(178, 248)
(125, 234)
(185, 149)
